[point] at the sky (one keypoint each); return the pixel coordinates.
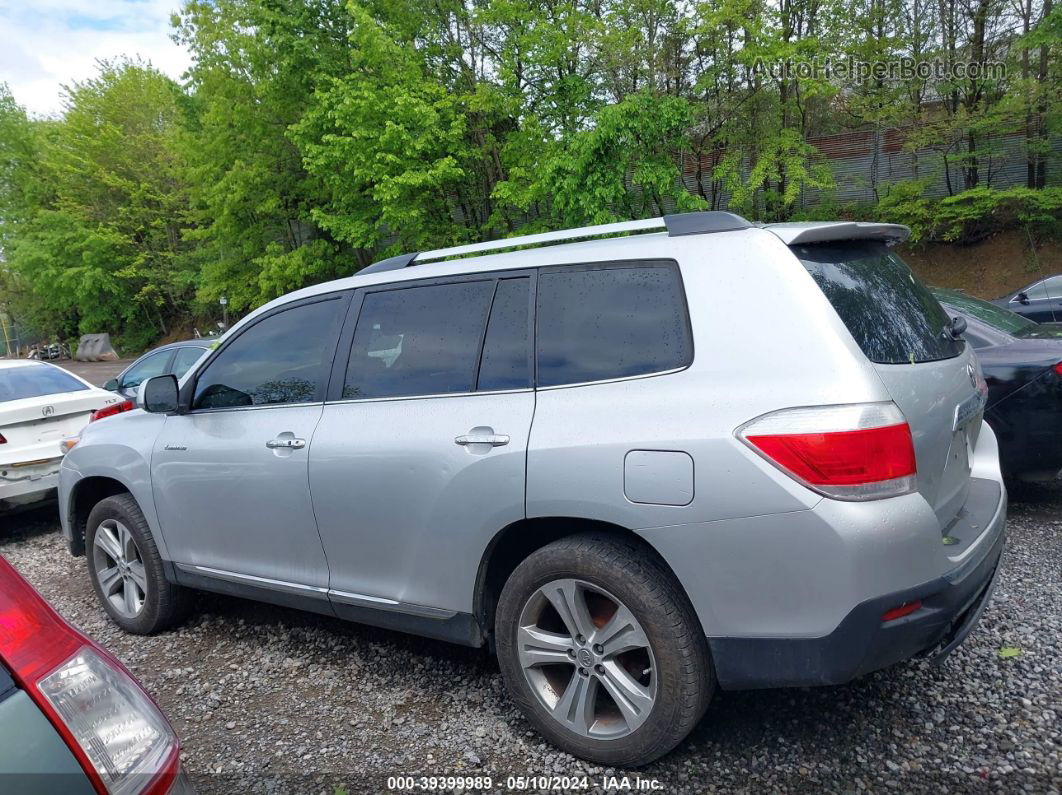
(45, 44)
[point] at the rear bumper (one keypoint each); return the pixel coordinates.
(24, 485)
(951, 606)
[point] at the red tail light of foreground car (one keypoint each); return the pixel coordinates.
(111, 725)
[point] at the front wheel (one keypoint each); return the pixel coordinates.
(125, 568)
(601, 650)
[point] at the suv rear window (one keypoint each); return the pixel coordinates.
(612, 321)
(892, 316)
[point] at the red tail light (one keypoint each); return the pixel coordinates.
(112, 727)
(111, 410)
(851, 452)
(903, 610)
(2, 439)
(1057, 368)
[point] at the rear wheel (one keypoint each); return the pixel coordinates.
(126, 570)
(601, 650)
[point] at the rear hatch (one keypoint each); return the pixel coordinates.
(902, 329)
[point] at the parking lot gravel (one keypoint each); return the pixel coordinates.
(272, 700)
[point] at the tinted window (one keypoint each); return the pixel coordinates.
(418, 340)
(150, 366)
(1054, 287)
(32, 380)
(891, 315)
(506, 352)
(611, 322)
(994, 316)
(282, 359)
(185, 358)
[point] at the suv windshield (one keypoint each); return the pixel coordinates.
(998, 318)
(34, 380)
(892, 316)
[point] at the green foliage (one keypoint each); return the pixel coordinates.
(252, 201)
(312, 137)
(389, 144)
(92, 223)
(626, 166)
(974, 214)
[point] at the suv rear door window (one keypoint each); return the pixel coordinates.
(280, 359)
(892, 316)
(185, 358)
(506, 361)
(422, 340)
(613, 321)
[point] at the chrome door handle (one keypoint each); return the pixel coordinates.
(297, 444)
(493, 439)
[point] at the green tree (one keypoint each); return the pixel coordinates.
(255, 68)
(99, 243)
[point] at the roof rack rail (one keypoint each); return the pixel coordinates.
(676, 225)
(390, 264)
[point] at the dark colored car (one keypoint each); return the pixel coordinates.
(174, 358)
(72, 718)
(1040, 301)
(1022, 363)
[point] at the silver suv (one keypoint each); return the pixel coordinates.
(683, 453)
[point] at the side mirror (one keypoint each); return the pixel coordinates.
(1023, 298)
(957, 326)
(112, 385)
(158, 395)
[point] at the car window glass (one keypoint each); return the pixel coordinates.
(418, 340)
(1036, 292)
(891, 315)
(185, 358)
(149, 367)
(506, 348)
(1054, 287)
(995, 316)
(281, 359)
(35, 380)
(613, 322)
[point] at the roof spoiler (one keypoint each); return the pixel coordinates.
(796, 233)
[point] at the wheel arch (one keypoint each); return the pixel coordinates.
(84, 496)
(514, 543)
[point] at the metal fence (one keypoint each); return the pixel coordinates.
(864, 163)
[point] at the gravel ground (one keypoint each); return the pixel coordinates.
(272, 700)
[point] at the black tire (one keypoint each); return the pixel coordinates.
(165, 604)
(685, 678)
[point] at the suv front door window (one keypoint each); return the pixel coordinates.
(229, 477)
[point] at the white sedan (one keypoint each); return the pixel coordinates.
(40, 405)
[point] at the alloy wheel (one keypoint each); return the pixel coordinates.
(587, 659)
(119, 568)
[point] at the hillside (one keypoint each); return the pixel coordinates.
(989, 269)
